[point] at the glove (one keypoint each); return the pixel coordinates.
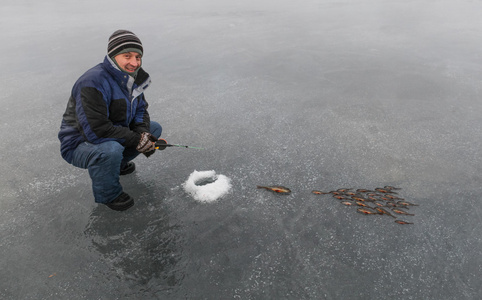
(147, 154)
(146, 143)
(158, 145)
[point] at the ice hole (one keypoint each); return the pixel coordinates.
(207, 180)
(207, 186)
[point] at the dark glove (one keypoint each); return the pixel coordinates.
(153, 138)
(146, 143)
(147, 154)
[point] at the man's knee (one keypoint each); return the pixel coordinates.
(109, 151)
(156, 129)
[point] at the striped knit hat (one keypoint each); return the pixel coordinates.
(123, 41)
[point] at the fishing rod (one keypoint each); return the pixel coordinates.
(162, 144)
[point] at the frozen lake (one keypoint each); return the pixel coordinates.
(312, 95)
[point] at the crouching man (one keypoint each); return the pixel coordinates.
(106, 123)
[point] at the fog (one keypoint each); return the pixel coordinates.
(312, 95)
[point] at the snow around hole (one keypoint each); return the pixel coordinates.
(207, 186)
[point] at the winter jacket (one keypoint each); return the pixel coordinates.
(106, 104)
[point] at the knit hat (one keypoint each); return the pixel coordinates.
(123, 41)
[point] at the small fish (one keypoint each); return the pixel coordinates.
(384, 191)
(348, 203)
(277, 189)
(350, 193)
(364, 191)
(388, 187)
(401, 212)
(406, 203)
(336, 193)
(366, 211)
(358, 198)
(339, 197)
(384, 212)
(402, 222)
(319, 192)
(378, 203)
(343, 190)
(390, 204)
(359, 203)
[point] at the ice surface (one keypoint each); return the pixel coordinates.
(317, 94)
(207, 186)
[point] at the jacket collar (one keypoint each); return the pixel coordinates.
(134, 87)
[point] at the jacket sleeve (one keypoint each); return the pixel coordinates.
(142, 121)
(92, 112)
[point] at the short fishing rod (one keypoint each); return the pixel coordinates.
(161, 144)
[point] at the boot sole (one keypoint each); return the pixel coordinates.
(121, 207)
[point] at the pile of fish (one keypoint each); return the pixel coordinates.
(380, 201)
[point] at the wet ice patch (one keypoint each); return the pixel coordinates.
(207, 186)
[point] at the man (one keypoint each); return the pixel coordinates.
(106, 123)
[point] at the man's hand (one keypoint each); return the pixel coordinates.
(146, 143)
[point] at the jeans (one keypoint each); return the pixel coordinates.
(104, 162)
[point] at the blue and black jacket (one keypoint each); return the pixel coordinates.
(106, 104)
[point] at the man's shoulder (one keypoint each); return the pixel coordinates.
(93, 73)
(96, 76)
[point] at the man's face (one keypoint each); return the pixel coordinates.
(129, 62)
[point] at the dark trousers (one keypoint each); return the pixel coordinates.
(104, 162)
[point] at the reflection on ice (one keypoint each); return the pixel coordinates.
(143, 251)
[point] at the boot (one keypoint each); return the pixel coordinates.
(122, 202)
(128, 168)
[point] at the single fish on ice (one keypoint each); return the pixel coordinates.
(384, 212)
(319, 192)
(402, 222)
(402, 212)
(277, 189)
(406, 203)
(347, 203)
(367, 211)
